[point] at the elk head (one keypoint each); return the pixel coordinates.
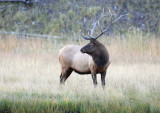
(91, 47)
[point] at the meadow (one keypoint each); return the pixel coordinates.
(30, 70)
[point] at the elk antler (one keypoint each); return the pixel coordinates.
(90, 36)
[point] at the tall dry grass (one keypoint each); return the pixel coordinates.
(31, 67)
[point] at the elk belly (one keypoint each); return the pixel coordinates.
(81, 63)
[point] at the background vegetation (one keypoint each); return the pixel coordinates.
(57, 17)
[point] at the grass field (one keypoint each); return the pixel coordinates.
(29, 78)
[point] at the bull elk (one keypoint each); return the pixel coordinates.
(90, 59)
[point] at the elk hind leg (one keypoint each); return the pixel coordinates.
(64, 75)
(68, 73)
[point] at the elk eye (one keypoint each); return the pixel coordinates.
(91, 45)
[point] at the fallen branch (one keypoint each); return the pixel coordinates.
(24, 1)
(4, 8)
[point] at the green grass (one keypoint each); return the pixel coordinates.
(37, 103)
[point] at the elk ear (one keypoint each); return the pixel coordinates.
(96, 42)
(92, 40)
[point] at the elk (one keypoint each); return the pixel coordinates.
(91, 59)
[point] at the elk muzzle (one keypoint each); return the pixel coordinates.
(86, 49)
(82, 50)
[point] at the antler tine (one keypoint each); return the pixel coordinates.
(85, 37)
(110, 12)
(119, 18)
(99, 26)
(88, 32)
(93, 29)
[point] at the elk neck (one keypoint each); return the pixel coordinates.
(101, 56)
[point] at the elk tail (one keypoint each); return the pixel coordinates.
(108, 63)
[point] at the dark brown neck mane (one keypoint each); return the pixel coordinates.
(101, 56)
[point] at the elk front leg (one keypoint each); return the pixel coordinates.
(103, 76)
(94, 77)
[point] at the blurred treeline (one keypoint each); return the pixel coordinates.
(54, 17)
